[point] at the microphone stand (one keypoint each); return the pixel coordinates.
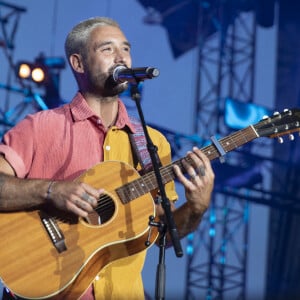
(165, 202)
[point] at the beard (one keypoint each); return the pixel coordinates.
(112, 88)
(103, 84)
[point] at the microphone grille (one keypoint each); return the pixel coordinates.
(116, 71)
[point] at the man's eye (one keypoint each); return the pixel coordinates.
(107, 49)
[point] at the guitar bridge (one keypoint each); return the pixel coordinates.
(53, 231)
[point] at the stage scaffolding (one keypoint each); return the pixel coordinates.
(17, 97)
(218, 250)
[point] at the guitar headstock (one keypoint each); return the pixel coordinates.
(279, 124)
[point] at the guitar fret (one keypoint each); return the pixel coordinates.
(211, 152)
(132, 190)
(137, 187)
(126, 193)
(148, 183)
(230, 145)
(168, 174)
(231, 142)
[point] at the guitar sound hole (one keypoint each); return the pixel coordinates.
(103, 212)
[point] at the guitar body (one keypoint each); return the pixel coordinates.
(32, 267)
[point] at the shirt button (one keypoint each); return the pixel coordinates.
(107, 147)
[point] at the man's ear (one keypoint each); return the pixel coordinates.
(76, 63)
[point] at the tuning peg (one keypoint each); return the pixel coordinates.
(291, 137)
(280, 140)
(287, 110)
(277, 114)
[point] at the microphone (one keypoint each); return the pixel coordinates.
(123, 74)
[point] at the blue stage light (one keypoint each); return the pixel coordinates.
(239, 114)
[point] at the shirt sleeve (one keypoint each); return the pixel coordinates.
(17, 147)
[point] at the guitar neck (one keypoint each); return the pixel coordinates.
(231, 142)
(148, 183)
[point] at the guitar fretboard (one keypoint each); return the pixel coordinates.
(148, 183)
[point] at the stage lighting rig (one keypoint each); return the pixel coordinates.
(40, 70)
(31, 71)
(238, 114)
(44, 72)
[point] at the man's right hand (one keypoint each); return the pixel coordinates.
(76, 197)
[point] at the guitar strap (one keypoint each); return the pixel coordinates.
(139, 146)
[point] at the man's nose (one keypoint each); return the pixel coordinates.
(121, 57)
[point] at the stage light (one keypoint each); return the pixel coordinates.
(45, 73)
(38, 75)
(41, 69)
(239, 115)
(24, 70)
(35, 72)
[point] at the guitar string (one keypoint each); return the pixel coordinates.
(105, 202)
(139, 189)
(166, 171)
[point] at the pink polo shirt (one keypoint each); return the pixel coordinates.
(60, 143)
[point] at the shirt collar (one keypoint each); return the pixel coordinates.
(81, 111)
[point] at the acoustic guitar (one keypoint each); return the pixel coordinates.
(47, 254)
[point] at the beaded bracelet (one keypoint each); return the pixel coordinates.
(49, 190)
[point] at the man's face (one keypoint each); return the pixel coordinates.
(107, 48)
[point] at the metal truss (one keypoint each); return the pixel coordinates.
(217, 251)
(16, 100)
(216, 261)
(9, 20)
